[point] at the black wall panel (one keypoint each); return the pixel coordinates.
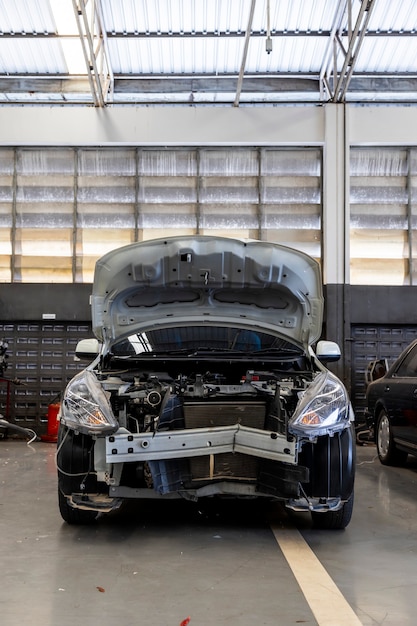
(40, 363)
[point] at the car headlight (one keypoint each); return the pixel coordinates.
(85, 407)
(323, 409)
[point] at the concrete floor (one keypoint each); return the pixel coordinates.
(163, 562)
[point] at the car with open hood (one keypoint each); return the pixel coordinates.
(204, 384)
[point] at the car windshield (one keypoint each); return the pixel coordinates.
(191, 339)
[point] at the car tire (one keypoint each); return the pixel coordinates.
(388, 452)
(74, 516)
(334, 520)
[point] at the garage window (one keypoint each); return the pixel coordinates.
(63, 208)
(383, 216)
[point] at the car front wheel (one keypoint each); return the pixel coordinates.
(388, 452)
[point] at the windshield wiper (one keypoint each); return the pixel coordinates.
(207, 351)
(283, 352)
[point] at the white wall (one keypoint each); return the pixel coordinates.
(283, 125)
(382, 125)
(44, 126)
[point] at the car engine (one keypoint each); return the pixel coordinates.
(145, 401)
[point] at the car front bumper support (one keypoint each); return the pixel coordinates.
(123, 447)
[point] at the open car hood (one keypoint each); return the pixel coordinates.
(199, 279)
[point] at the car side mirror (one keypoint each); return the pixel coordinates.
(327, 351)
(87, 349)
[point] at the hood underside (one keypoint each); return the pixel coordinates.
(180, 281)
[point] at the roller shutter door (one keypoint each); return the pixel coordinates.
(371, 343)
(41, 361)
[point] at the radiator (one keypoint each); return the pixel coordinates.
(234, 466)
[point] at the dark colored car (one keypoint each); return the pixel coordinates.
(205, 384)
(391, 409)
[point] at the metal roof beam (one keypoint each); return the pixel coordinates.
(305, 85)
(255, 34)
(245, 54)
(353, 50)
(146, 89)
(93, 41)
(337, 82)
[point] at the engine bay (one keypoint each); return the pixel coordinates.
(151, 401)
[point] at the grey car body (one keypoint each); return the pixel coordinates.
(205, 383)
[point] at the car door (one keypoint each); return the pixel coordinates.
(400, 397)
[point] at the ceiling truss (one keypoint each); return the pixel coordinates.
(336, 83)
(335, 79)
(93, 41)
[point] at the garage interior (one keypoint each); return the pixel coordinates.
(290, 121)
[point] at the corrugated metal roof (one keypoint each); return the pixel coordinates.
(201, 51)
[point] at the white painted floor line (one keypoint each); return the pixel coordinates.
(324, 598)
